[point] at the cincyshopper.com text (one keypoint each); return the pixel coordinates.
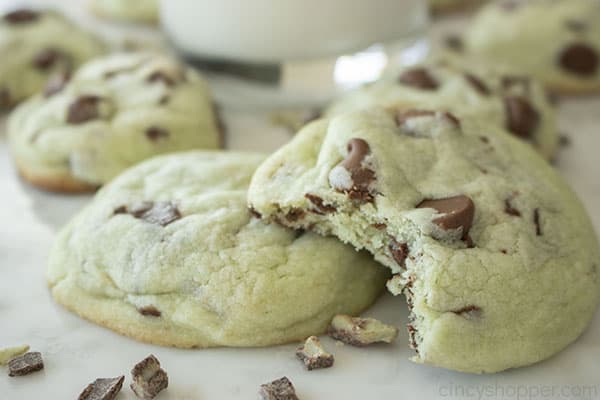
(519, 392)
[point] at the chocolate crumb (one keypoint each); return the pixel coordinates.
(149, 378)
(254, 213)
(280, 389)
(361, 332)
(322, 208)
(313, 355)
(149, 311)
(294, 214)
(379, 226)
(25, 364)
(510, 210)
(103, 389)
(536, 221)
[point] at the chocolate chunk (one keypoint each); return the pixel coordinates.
(536, 221)
(83, 109)
(579, 59)
(160, 76)
(510, 210)
(521, 118)
(469, 312)
(419, 78)
(149, 311)
(161, 213)
(25, 364)
(103, 389)
(21, 16)
(56, 83)
(280, 389)
(576, 26)
(477, 84)
(313, 355)
(294, 214)
(5, 101)
(149, 378)
(358, 184)
(361, 331)
(399, 252)
(457, 212)
(45, 59)
(321, 207)
(255, 213)
(455, 43)
(155, 133)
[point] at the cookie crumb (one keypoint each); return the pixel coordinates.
(280, 389)
(103, 389)
(313, 355)
(361, 332)
(9, 353)
(148, 378)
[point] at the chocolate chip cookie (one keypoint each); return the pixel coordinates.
(168, 253)
(126, 10)
(465, 86)
(36, 45)
(495, 254)
(114, 112)
(557, 41)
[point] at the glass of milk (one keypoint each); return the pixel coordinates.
(293, 52)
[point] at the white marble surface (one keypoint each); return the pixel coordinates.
(76, 352)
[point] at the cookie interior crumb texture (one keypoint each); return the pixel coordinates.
(493, 251)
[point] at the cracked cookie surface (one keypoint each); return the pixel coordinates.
(495, 254)
(556, 41)
(115, 111)
(36, 45)
(168, 253)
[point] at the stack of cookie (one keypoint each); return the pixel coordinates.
(438, 172)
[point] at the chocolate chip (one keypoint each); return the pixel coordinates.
(21, 16)
(469, 312)
(255, 213)
(379, 226)
(83, 109)
(149, 311)
(477, 84)
(579, 59)
(399, 252)
(457, 212)
(149, 378)
(56, 83)
(160, 76)
(5, 100)
(280, 389)
(294, 214)
(419, 78)
(484, 139)
(454, 42)
(522, 118)
(576, 26)
(452, 118)
(161, 213)
(503, 251)
(322, 208)
(46, 58)
(25, 364)
(361, 177)
(155, 133)
(536, 221)
(510, 210)
(102, 389)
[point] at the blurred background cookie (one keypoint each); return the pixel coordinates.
(145, 11)
(114, 112)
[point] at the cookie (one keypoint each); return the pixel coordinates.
(494, 252)
(168, 253)
(36, 45)
(466, 87)
(557, 41)
(114, 112)
(145, 11)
